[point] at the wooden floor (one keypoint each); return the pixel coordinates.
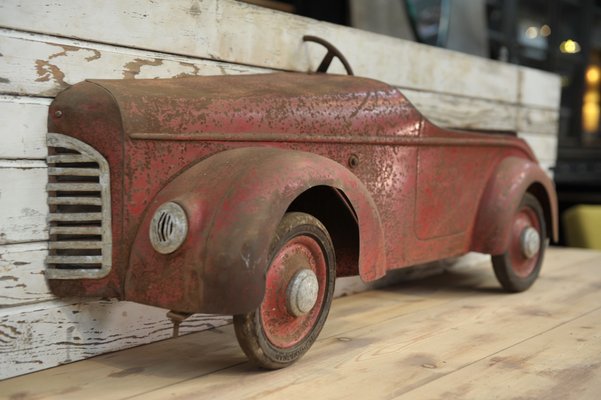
(453, 336)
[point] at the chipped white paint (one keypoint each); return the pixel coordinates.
(22, 274)
(23, 206)
(244, 34)
(151, 39)
(539, 88)
(43, 335)
(23, 127)
(112, 62)
(544, 146)
(35, 65)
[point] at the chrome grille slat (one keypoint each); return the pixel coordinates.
(74, 187)
(75, 217)
(80, 210)
(74, 259)
(73, 171)
(68, 158)
(75, 230)
(75, 245)
(91, 201)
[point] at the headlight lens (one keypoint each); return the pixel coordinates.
(168, 228)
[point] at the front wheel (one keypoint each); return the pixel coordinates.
(519, 266)
(299, 286)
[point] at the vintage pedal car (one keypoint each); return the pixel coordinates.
(248, 195)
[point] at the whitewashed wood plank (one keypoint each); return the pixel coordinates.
(23, 130)
(23, 208)
(544, 146)
(537, 120)
(539, 88)
(463, 112)
(70, 62)
(36, 65)
(22, 274)
(49, 334)
(244, 34)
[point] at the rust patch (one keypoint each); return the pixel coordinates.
(47, 72)
(94, 56)
(195, 70)
(66, 49)
(131, 69)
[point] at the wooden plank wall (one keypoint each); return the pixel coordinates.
(47, 46)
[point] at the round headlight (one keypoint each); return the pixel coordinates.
(168, 228)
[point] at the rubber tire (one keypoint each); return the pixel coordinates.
(502, 263)
(249, 331)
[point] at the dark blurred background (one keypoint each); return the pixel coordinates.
(560, 36)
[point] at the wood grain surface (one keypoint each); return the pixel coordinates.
(452, 336)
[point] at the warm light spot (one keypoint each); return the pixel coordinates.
(593, 73)
(545, 30)
(531, 32)
(569, 46)
(590, 117)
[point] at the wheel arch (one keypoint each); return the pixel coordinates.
(333, 209)
(234, 201)
(507, 185)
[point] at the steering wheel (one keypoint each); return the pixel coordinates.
(332, 52)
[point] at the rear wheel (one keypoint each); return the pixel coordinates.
(299, 285)
(519, 266)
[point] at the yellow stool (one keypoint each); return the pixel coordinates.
(582, 226)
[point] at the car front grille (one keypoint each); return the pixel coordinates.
(80, 210)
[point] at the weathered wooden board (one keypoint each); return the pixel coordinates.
(561, 363)
(408, 351)
(22, 274)
(37, 65)
(544, 146)
(22, 135)
(539, 88)
(244, 34)
(44, 335)
(23, 208)
(43, 66)
(452, 336)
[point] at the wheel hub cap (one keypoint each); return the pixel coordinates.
(530, 242)
(302, 292)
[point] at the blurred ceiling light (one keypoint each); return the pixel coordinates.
(531, 32)
(590, 117)
(569, 46)
(593, 74)
(545, 30)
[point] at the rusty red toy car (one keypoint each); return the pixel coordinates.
(248, 195)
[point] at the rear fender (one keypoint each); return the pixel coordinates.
(234, 201)
(512, 179)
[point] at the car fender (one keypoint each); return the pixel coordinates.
(512, 178)
(234, 201)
